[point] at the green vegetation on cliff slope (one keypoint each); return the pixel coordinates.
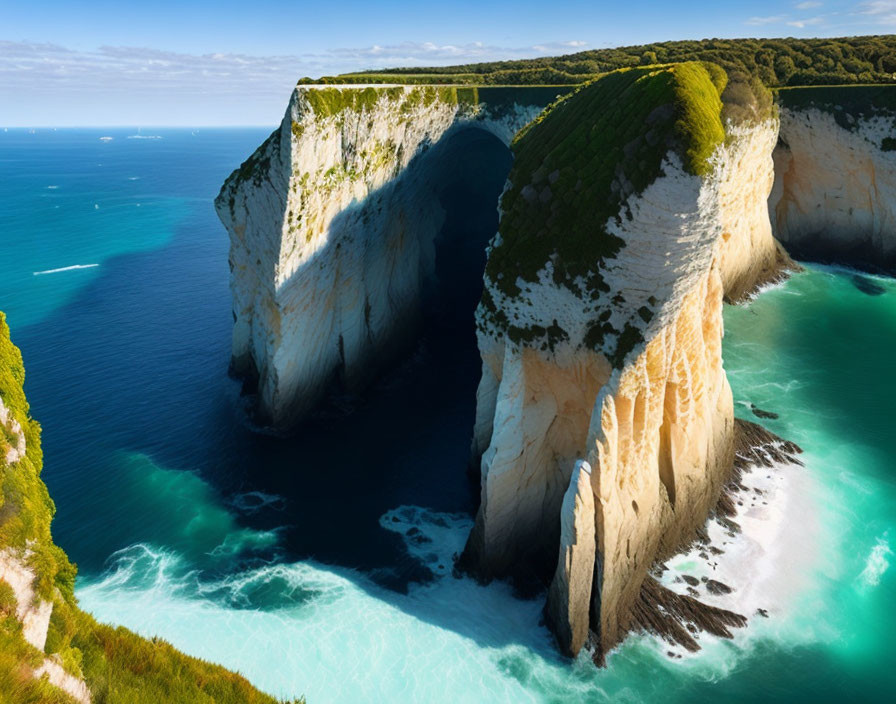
(578, 163)
(118, 666)
(776, 62)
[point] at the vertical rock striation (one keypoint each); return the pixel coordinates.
(332, 223)
(835, 189)
(604, 416)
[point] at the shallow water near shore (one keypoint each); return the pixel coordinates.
(321, 564)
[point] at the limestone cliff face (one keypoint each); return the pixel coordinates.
(749, 255)
(835, 190)
(604, 416)
(32, 612)
(332, 223)
(13, 442)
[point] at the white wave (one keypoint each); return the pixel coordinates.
(133, 178)
(52, 188)
(106, 139)
(877, 563)
(65, 268)
(144, 136)
(342, 638)
(771, 566)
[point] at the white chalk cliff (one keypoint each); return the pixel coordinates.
(332, 223)
(657, 431)
(835, 189)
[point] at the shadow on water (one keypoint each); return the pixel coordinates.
(135, 367)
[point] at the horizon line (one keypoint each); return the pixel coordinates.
(131, 126)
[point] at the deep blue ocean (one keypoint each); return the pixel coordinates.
(320, 564)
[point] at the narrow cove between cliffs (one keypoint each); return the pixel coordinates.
(252, 550)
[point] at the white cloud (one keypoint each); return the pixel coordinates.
(44, 83)
(808, 22)
(807, 5)
(773, 19)
(884, 11)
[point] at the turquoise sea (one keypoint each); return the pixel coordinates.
(320, 564)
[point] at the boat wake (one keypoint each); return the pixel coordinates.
(65, 268)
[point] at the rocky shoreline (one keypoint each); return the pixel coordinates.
(678, 618)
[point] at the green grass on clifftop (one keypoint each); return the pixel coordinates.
(578, 163)
(580, 159)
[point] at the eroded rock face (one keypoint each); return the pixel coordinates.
(12, 442)
(33, 613)
(835, 190)
(646, 405)
(749, 255)
(332, 223)
(569, 598)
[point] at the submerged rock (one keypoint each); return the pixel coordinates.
(868, 286)
(759, 413)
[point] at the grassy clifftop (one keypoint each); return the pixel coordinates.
(579, 162)
(118, 666)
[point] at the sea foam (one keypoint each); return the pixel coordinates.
(877, 562)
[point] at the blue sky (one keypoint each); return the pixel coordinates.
(231, 63)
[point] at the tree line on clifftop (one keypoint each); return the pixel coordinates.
(776, 62)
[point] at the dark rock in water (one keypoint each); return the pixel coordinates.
(675, 617)
(757, 446)
(717, 588)
(759, 413)
(868, 286)
(693, 581)
(693, 592)
(762, 612)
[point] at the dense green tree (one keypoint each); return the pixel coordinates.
(776, 62)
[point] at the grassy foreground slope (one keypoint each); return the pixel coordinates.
(118, 666)
(776, 62)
